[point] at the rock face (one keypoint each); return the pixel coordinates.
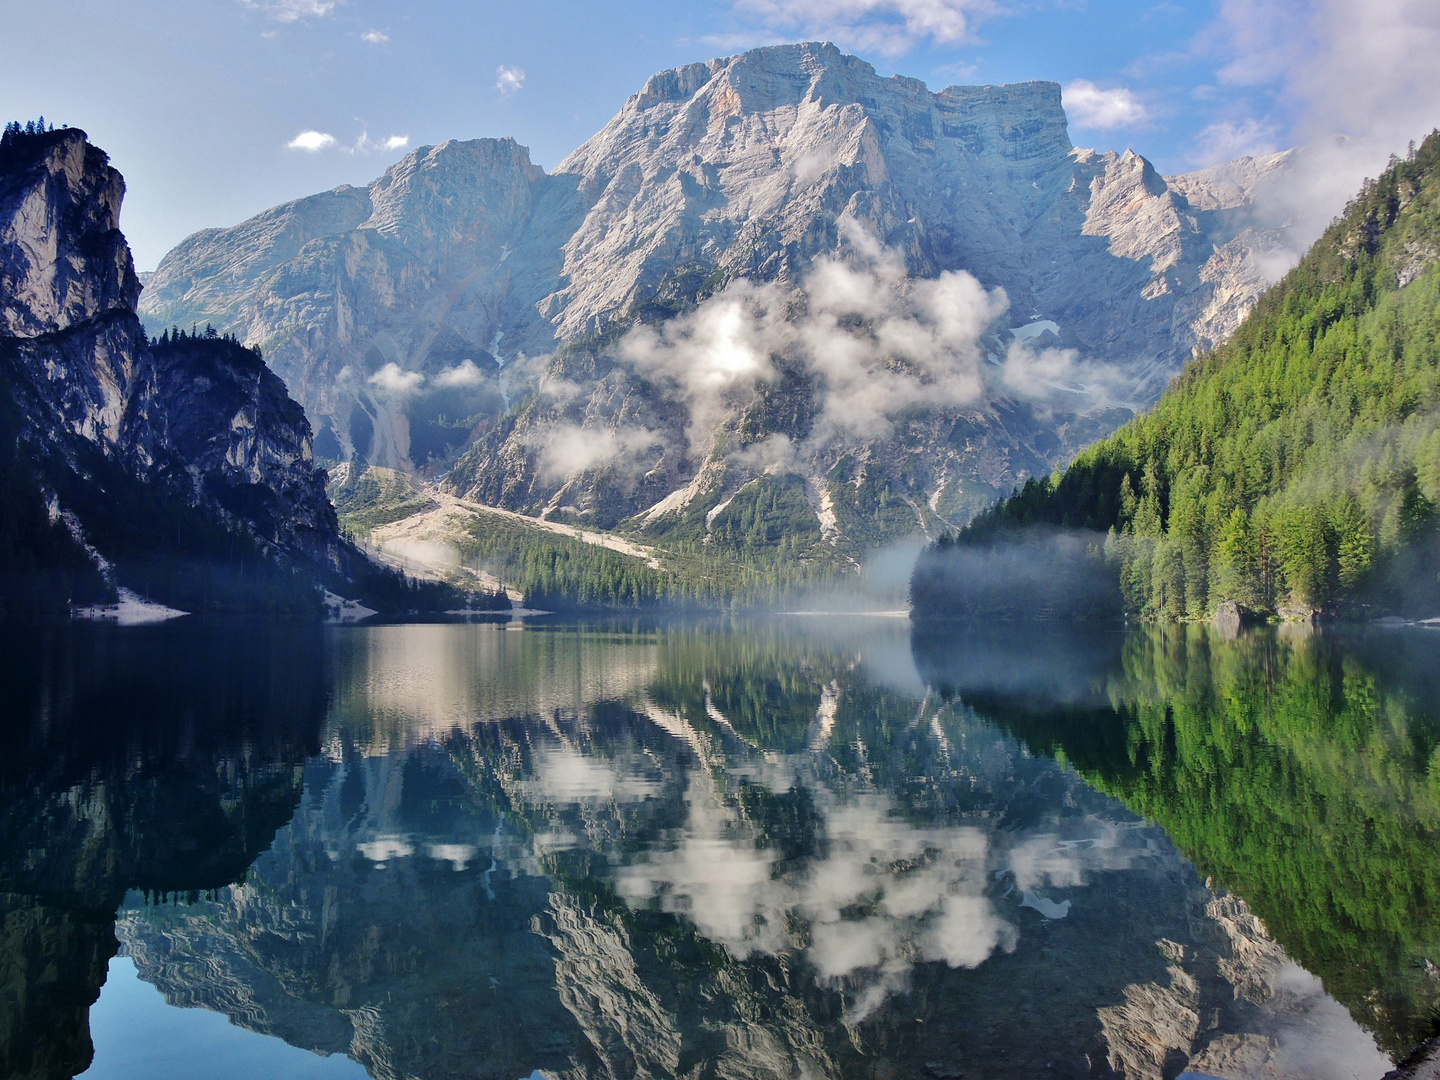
(384, 309)
(109, 437)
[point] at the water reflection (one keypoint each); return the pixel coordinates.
(777, 848)
(1301, 771)
(158, 760)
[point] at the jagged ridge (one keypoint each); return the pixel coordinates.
(740, 168)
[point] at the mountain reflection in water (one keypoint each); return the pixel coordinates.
(759, 848)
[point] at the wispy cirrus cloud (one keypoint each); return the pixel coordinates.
(289, 11)
(889, 27)
(509, 80)
(1089, 106)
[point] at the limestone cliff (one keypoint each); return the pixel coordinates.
(385, 308)
(122, 454)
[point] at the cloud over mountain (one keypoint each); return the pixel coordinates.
(1088, 106)
(889, 27)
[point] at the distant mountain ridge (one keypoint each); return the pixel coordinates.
(385, 309)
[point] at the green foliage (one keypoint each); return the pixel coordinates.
(27, 140)
(764, 686)
(556, 572)
(769, 520)
(366, 498)
(868, 511)
(1300, 463)
(1307, 779)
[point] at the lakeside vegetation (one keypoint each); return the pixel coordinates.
(556, 572)
(1297, 468)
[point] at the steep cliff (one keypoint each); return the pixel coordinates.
(384, 309)
(180, 468)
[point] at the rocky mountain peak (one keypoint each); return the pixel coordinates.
(429, 194)
(382, 309)
(127, 453)
(743, 166)
(67, 260)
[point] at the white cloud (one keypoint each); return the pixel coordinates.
(375, 37)
(1226, 140)
(567, 449)
(392, 379)
(924, 888)
(875, 341)
(1364, 71)
(1038, 374)
(1088, 106)
(509, 80)
(312, 141)
(366, 145)
(289, 11)
(462, 375)
(890, 27)
(321, 140)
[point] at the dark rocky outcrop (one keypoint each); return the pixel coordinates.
(181, 467)
(175, 468)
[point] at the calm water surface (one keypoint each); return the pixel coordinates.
(768, 848)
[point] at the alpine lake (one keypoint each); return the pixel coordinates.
(789, 846)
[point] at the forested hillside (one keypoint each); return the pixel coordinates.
(1297, 468)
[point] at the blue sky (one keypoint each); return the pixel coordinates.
(205, 105)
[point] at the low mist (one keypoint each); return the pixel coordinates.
(1031, 574)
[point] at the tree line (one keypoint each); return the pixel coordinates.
(1297, 468)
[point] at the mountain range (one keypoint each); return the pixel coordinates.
(776, 287)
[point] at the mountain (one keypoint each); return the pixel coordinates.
(179, 468)
(1294, 471)
(470, 317)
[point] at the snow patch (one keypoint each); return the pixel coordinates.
(340, 610)
(1034, 329)
(1045, 906)
(132, 610)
